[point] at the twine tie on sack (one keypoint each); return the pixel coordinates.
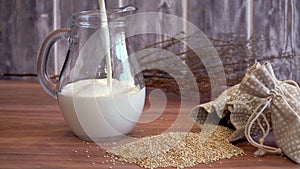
(262, 149)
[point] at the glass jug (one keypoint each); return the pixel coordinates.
(100, 90)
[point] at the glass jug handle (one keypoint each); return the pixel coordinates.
(43, 76)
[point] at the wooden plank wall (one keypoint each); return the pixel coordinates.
(24, 24)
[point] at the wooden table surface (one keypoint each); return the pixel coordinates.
(33, 134)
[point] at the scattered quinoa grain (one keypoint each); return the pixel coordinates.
(178, 149)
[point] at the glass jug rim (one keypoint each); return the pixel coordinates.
(93, 18)
(128, 8)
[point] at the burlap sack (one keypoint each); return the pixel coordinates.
(283, 98)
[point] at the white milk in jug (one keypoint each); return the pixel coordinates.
(93, 110)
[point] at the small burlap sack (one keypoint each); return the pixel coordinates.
(255, 106)
(283, 99)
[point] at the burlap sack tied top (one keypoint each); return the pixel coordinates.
(283, 99)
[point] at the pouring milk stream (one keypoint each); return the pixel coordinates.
(102, 8)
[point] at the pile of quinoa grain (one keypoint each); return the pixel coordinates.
(178, 149)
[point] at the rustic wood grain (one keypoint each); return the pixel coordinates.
(23, 26)
(33, 134)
